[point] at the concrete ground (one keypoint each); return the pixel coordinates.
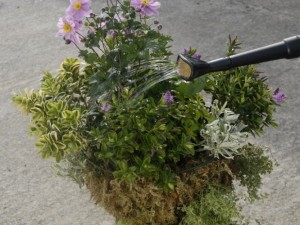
(31, 193)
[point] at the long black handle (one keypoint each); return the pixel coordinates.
(288, 48)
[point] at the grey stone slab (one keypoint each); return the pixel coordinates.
(30, 193)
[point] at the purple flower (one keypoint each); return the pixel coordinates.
(147, 7)
(68, 29)
(168, 97)
(186, 51)
(278, 96)
(196, 56)
(112, 33)
(189, 51)
(79, 9)
(105, 107)
(128, 32)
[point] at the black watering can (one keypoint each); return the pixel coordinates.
(190, 68)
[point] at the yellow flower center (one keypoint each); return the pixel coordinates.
(67, 28)
(77, 6)
(145, 2)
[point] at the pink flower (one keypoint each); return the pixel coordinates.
(79, 9)
(147, 7)
(68, 29)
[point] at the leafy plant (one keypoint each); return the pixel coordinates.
(143, 141)
(245, 93)
(224, 136)
(147, 138)
(58, 111)
(252, 164)
(215, 207)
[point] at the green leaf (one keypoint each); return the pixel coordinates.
(190, 88)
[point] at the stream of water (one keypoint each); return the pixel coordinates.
(141, 76)
(155, 79)
(161, 70)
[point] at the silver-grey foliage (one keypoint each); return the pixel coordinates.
(224, 135)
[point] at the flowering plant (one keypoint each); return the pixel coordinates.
(146, 144)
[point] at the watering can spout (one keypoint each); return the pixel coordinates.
(190, 68)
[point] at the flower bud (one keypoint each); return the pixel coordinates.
(86, 23)
(92, 15)
(128, 32)
(139, 32)
(67, 41)
(186, 51)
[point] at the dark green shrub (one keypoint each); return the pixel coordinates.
(245, 93)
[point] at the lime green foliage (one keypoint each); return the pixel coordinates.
(216, 206)
(246, 94)
(58, 111)
(251, 164)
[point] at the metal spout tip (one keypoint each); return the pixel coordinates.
(189, 68)
(184, 67)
